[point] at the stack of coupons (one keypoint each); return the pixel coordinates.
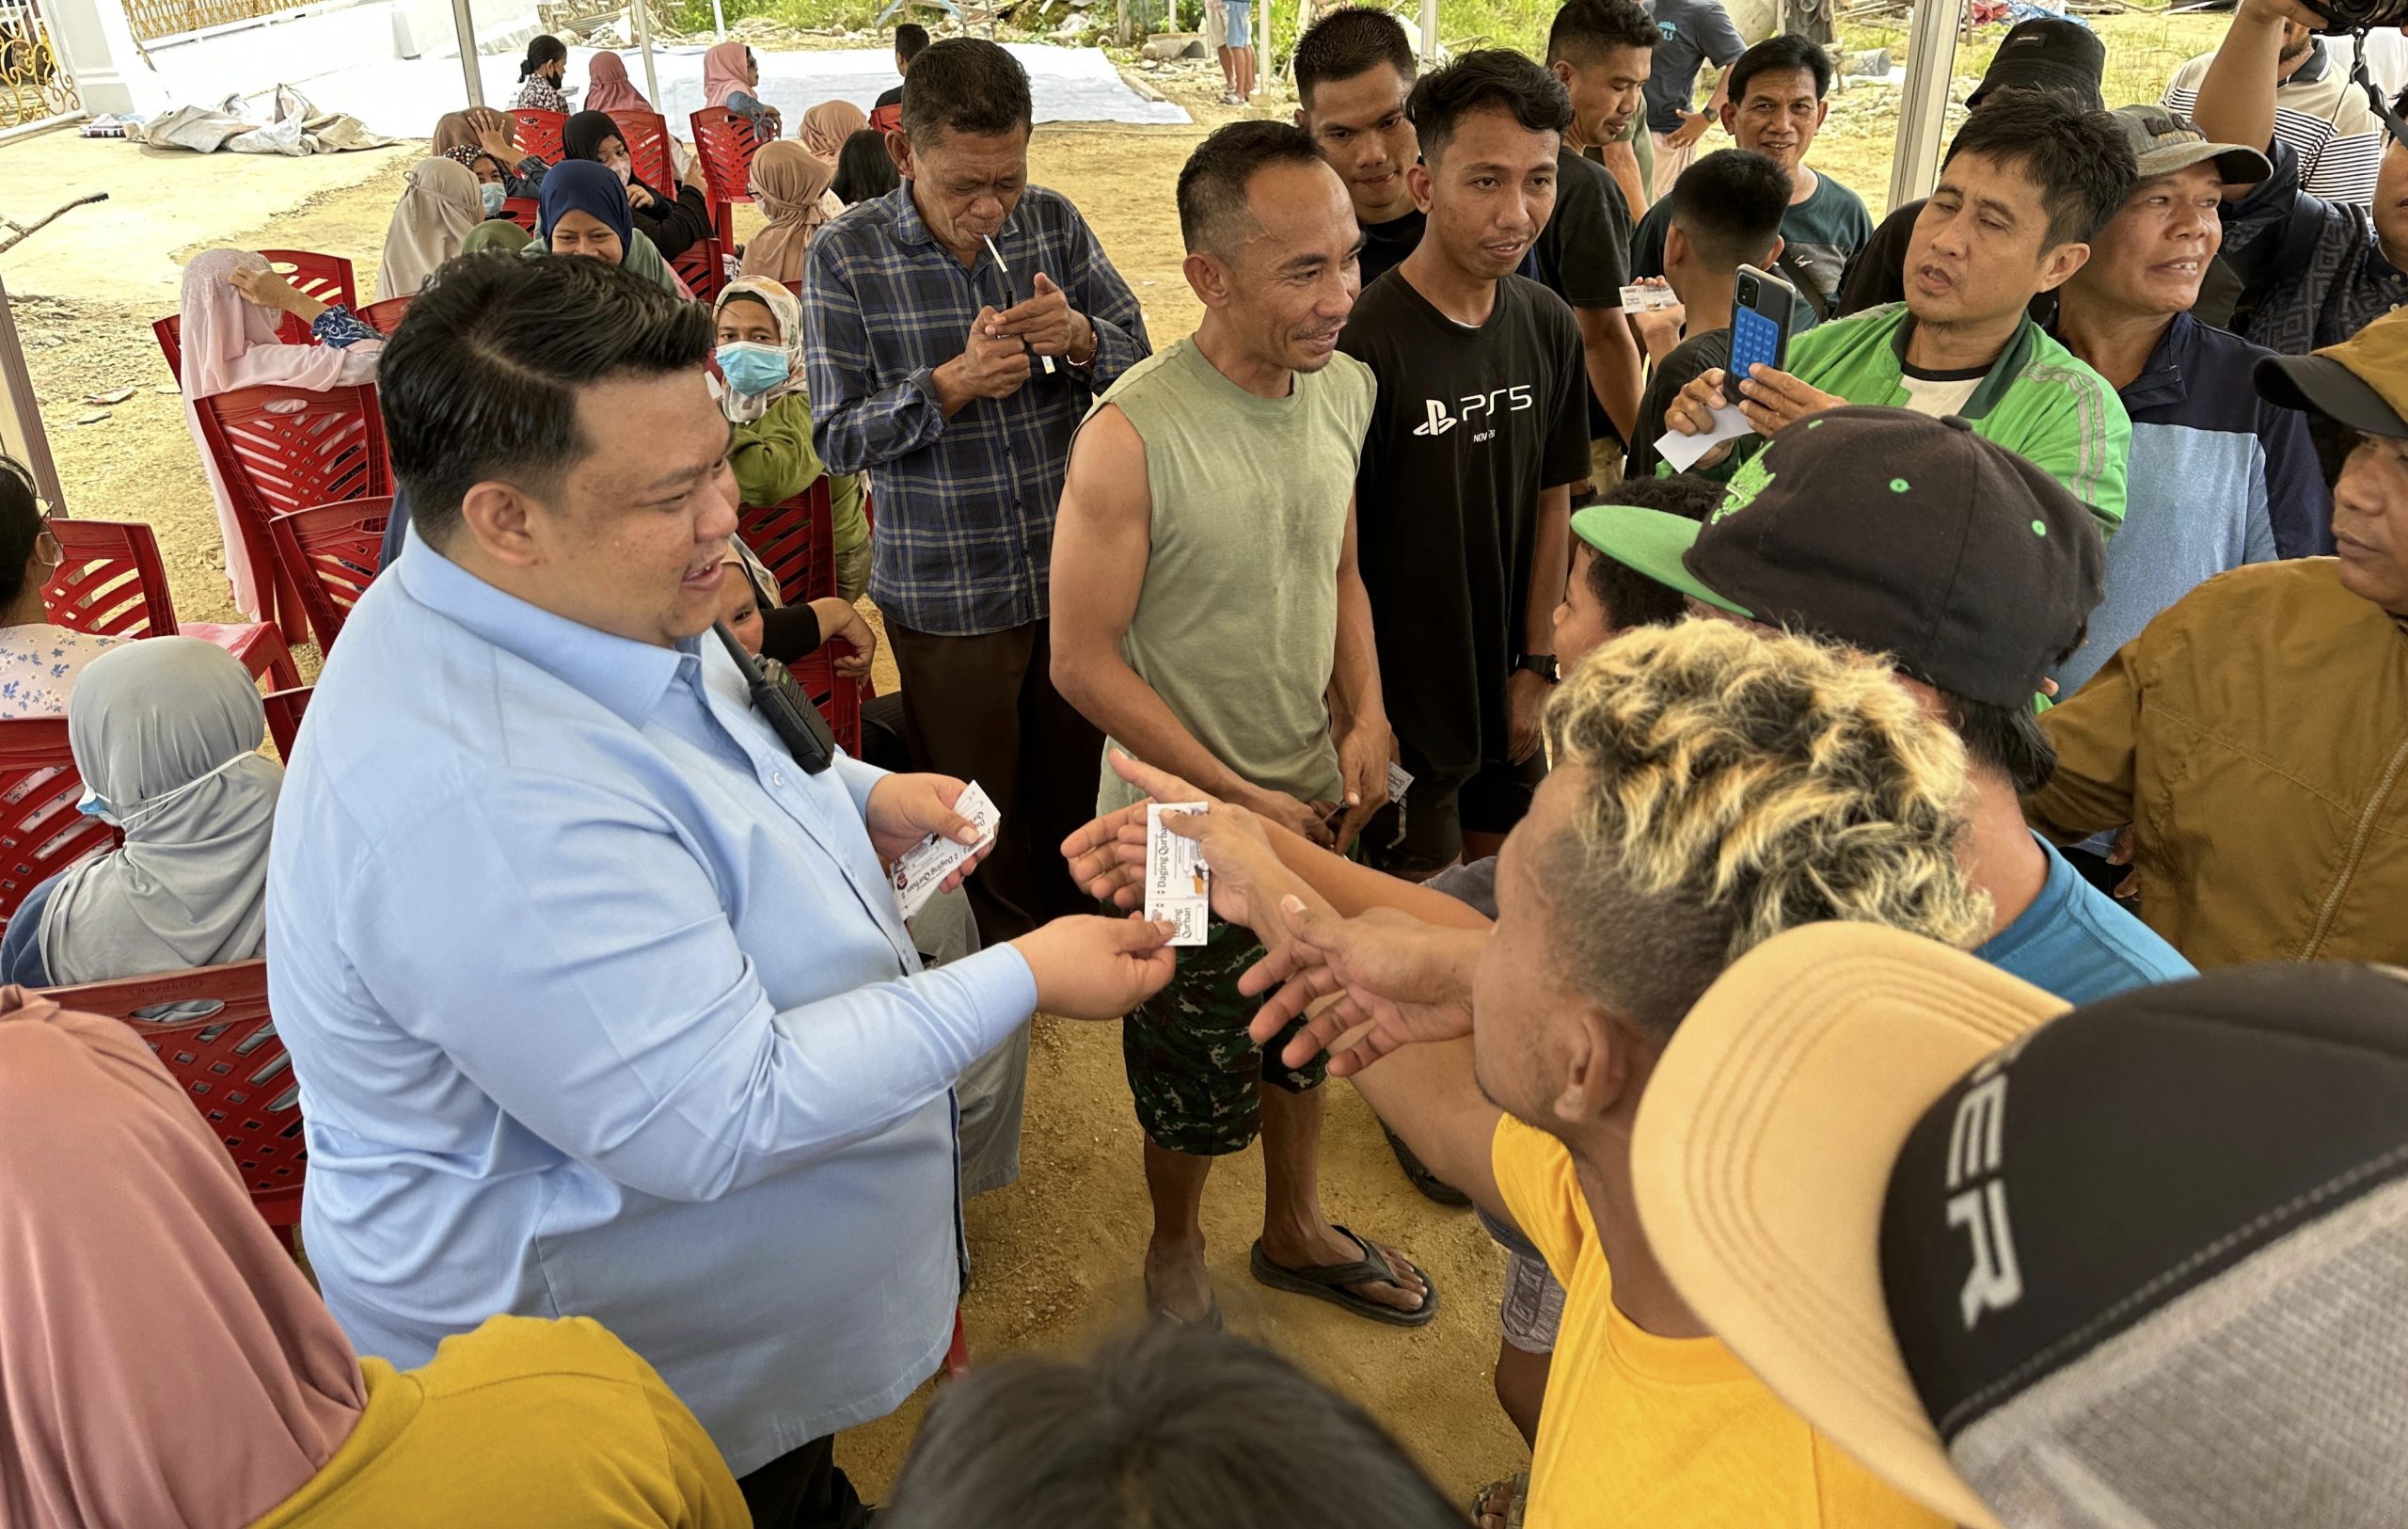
(1179, 884)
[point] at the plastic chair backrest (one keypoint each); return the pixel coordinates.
(40, 832)
(704, 268)
(539, 132)
(647, 135)
(110, 580)
(724, 143)
(228, 1059)
(330, 552)
(284, 712)
(386, 316)
(887, 118)
(170, 331)
(325, 447)
(326, 277)
(796, 540)
(523, 211)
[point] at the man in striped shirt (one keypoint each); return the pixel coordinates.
(2317, 111)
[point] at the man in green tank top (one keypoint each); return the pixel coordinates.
(1208, 616)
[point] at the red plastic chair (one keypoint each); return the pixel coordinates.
(284, 712)
(170, 333)
(703, 269)
(231, 1063)
(111, 582)
(724, 143)
(886, 119)
(647, 135)
(326, 277)
(329, 551)
(386, 316)
(40, 832)
(523, 211)
(796, 540)
(539, 132)
(325, 448)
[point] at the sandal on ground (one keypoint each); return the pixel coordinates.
(1329, 1281)
(1156, 1311)
(1519, 1484)
(1430, 1183)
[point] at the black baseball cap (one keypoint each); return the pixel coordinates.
(1890, 532)
(2047, 52)
(2141, 1262)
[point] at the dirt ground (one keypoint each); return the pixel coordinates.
(1058, 1254)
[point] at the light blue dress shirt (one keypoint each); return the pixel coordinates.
(600, 1005)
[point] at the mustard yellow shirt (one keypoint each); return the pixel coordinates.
(523, 1422)
(1642, 1432)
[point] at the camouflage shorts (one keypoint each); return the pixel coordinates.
(1191, 1067)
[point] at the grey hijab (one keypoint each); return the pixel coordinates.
(167, 733)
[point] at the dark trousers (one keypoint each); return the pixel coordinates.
(983, 708)
(802, 1489)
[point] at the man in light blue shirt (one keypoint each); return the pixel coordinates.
(597, 994)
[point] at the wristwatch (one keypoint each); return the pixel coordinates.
(1540, 665)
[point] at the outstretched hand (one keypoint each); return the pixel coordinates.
(1396, 981)
(1107, 856)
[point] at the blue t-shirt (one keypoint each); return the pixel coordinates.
(2076, 943)
(1690, 32)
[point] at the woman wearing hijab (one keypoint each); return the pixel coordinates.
(481, 138)
(826, 126)
(439, 207)
(585, 212)
(864, 169)
(761, 391)
(791, 183)
(229, 341)
(166, 734)
(674, 222)
(608, 87)
(540, 75)
(496, 235)
(730, 77)
(166, 1364)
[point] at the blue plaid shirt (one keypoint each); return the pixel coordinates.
(965, 505)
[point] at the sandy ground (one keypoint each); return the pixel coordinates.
(1058, 1254)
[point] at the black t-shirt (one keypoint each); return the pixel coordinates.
(892, 98)
(1682, 365)
(1471, 425)
(1385, 245)
(1584, 250)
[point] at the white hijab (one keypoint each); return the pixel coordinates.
(165, 733)
(743, 408)
(439, 209)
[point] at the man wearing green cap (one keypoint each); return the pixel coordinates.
(2255, 734)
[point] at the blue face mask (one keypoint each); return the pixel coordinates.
(495, 192)
(752, 368)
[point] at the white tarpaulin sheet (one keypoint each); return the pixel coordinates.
(404, 97)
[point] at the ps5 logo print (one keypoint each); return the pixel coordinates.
(1977, 1193)
(1473, 405)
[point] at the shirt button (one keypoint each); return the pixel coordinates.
(777, 777)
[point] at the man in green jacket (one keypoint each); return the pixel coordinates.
(2027, 183)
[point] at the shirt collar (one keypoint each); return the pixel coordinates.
(628, 677)
(1994, 382)
(2313, 71)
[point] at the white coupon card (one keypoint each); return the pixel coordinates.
(1638, 299)
(1683, 450)
(1400, 781)
(1179, 884)
(924, 866)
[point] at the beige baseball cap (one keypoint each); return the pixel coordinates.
(1763, 1157)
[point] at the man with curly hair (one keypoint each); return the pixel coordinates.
(1710, 789)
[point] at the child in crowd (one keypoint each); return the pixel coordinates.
(760, 362)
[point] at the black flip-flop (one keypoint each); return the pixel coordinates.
(1328, 1282)
(1430, 1183)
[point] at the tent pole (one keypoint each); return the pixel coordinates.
(1429, 32)
(1923, 111)
(644, 41)
(464, 25)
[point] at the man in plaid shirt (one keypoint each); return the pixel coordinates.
(956, 381)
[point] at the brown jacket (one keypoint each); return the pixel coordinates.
(2255, 735)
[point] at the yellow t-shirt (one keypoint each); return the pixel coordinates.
(1642, 1431)
(521, 1422)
